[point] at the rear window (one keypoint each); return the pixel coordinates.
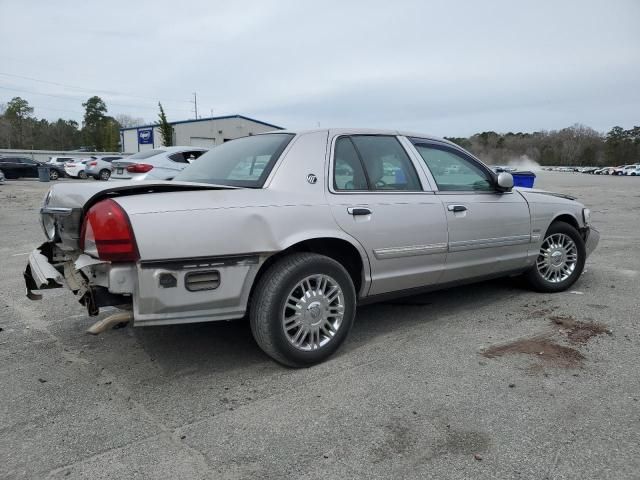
(146, 154)
(244, 162)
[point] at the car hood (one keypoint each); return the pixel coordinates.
(535, 191)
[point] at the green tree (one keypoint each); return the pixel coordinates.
(94, 122)
(17, 113)
(166, 130)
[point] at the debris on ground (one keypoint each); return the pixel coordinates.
(543, 347)
(477, 456)
(577, 331)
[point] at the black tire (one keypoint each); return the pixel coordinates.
(104, 175)
(268, 302)
(54, 175)
(538, 282)
(82, 175)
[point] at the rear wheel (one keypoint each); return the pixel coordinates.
(560, 260)
(302, 309)
(105, 174)
(82, 175)
(54, 175)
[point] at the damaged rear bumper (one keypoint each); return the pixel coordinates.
(161, 292)
(50, 267)
(40, 274)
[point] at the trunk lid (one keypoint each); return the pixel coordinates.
(65, 204)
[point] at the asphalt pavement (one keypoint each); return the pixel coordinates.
(483, 381)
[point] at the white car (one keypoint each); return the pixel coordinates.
(76, 168)
(159, 164)
(59, 161)
(633, 171)
(624, 169)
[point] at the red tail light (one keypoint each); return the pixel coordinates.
(107, 234)
(92, 164)
(139, 168)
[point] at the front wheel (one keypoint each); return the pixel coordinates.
(54, 175)
(560, 260)
(82, 175)
(302, 309)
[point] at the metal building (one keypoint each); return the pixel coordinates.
(203, 132)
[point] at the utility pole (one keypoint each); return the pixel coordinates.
(195, 104)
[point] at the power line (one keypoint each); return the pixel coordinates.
(68, 98)
(89, 90)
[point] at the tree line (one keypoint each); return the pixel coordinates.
(577, 145)
(20, 129)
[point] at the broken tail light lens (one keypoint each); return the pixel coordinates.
(107, 233)
(139, 168)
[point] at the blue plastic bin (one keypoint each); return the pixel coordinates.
(523, 179)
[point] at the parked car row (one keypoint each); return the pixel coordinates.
(630, 170)
(25, 167)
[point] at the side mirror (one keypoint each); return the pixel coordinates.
(505, 181)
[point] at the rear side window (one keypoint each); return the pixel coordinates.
(373, 162)
(244, 162)
(186, 157)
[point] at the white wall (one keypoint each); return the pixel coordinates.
(205, 133)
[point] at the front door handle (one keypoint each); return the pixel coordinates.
(456, 208)
(358, 211)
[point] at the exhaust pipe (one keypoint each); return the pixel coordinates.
(109, 322)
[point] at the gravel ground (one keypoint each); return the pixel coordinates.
(445, 385)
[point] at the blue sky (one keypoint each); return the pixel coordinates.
(443, 67)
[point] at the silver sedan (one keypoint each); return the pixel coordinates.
(295, 229)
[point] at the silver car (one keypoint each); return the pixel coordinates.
(100, 167)
(295, 229)
(159, 164)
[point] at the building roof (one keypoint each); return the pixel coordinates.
(224, 117)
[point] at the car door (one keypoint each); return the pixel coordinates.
(489, 231)
(376, 195)
(29, 168)
(8, 167)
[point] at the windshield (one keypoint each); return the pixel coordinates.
(147, 154)
(245, 162)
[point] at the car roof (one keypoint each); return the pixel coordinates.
(180, 148)
(363, 131)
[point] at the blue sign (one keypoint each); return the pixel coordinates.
(145, 136)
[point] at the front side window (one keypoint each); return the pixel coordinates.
(452, 171)
(373, 162)
(244, 162)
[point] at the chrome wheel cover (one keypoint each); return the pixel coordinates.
(558, 258)
(313, 312)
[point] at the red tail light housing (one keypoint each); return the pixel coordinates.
(139, 168)
(92, 164)
(107, 233)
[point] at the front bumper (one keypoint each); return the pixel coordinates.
(592, 237)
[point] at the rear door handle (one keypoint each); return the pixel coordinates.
(358, 211)
(456, 208)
